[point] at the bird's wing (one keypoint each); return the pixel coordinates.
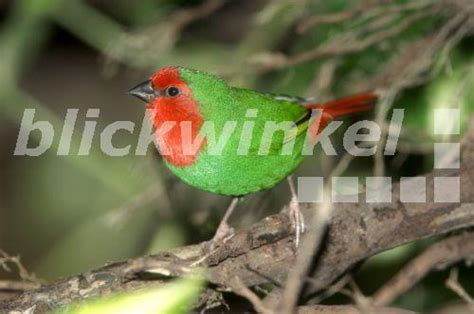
(302, 123)
(275, 107)
(294, 99)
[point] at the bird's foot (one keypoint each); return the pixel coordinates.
(223, 233)
(297, 220)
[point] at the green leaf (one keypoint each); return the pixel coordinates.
(175, 297)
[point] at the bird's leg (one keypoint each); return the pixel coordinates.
(224, 228)
(296, 216)
(222, 233)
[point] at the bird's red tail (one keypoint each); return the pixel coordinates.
(347, 105)
(341, 107)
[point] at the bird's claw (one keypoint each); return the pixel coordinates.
(223, 233)
(297, 220)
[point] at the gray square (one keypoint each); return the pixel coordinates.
(447, 189)
(447, 121)
(345, 189)
(310, 189)
(413, 189)
(379, 190)
(447, 155)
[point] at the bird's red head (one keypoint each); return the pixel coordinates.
(167, 77)
(170, 101)
(165, 86)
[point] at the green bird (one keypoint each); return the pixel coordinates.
(235, 141)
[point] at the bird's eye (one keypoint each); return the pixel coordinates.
(172, 91)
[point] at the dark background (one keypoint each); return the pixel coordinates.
(67, 214)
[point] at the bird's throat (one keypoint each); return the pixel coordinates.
(177, 124)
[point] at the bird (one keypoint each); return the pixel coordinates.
(183, 103)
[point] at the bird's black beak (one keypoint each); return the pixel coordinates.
(144, 91)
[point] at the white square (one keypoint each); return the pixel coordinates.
(345, 189)
(310, 189)
(447, 155)
(413, 189)
(447, 121)
(447, 189)
(379, 190)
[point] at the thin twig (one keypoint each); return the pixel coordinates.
(322, 82)
(331, 290)
(361, 301)
(24, 274)
(143, 48)
(371, 7)
(438, 256)
(241, 289)
(122, 213)
(383, 108)
(341, 45)
(453, 283)
(410, 67)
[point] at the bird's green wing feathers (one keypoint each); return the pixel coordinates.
(298, 100)
(300, 129)
(302, 123)
(281, 108)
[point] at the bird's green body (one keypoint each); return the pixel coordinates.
(231, 173)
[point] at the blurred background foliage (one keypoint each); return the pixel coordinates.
(67, 214)
(173, 298)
